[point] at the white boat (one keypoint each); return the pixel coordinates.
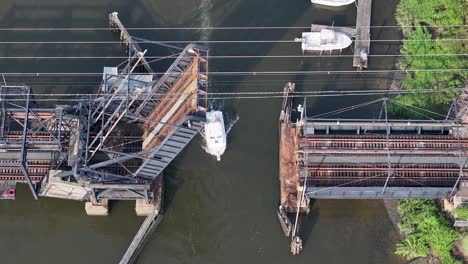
(324, 40)
(215, 134)
(332, 2)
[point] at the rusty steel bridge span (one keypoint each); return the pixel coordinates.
(341, 158)
(111, 146)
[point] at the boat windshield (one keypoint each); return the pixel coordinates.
(327, 36)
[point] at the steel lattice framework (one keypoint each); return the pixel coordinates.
(113, 146)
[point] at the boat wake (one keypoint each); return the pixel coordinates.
(231, 123)
(205, 18)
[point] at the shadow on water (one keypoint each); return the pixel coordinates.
(171, 185)
(308, 221)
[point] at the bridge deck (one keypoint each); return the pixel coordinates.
(364, 159)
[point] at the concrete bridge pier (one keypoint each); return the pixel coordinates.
(143, 208)
(94, 208)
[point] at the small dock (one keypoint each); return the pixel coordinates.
(362, 38)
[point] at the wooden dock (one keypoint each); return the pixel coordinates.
(361, 33)
(362, 37)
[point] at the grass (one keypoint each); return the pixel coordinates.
(461, 212)
(426, 230)
(464, 243)
(424, 34)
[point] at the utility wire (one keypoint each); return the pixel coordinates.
(220, 83)
(238, 56)
(217, 41)
(205, 28)
(268, 81)
(224, 83)
(296, 93)
(227, 97)
(240, 73)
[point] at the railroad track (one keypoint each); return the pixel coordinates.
(382, 143)
(10, 170)
(379, 179)
(435, 175)
(359, 182)
(377, 136)
(384, 167)
(33, 138)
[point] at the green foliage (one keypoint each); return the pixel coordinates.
(431, 12)
(422, 25)
(464, 243)
(461, 212)
(426, 230)
(412, 247)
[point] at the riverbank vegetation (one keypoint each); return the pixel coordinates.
(431, 42)
(461, 212)
(432, 32)
(426, 230)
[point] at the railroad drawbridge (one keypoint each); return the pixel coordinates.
(324, 157)
(112, 146)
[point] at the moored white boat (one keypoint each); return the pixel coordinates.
(324, 40)
(215, 134)
(332, 2)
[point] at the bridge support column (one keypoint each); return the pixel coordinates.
(305, 205)
(94, 208)
(448, 205)
(457, 201)
(142, 208)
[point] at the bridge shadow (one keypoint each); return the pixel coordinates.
(308, 222)
(171, 185)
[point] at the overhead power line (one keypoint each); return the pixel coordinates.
(240, 73)
(256, 83)
(203, 28)
(216, 41)
(236, 56)
(225, 98)
(296, 93)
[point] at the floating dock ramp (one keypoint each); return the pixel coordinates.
(146, 228)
